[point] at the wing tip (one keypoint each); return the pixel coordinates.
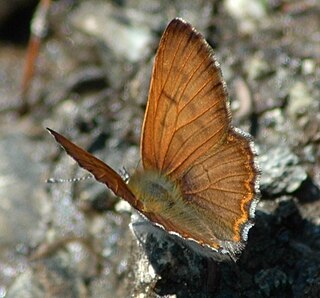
(52, 132)
(179, 23)
(179, 20)
(58, 137)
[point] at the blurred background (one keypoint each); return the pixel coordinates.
(83, 68)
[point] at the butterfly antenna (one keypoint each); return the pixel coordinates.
(71, 180)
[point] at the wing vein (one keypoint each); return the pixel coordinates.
(231, 161)
(197, 117)
(213, 203)
(177, 107)
(192, 75)
(157, 99)
(210, 187)
(195, 149)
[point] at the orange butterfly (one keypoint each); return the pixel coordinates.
(199, 178)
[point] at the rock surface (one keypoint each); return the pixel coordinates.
(91, 84)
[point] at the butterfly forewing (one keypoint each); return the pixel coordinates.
(102, 172)
(187, 111)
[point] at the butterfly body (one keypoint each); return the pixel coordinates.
(163, 201)
(155, 191)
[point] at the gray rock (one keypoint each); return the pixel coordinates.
(281, 172)
(26, 285)
(20, 190)
(156, 257)
(299, 103)
(121, 31)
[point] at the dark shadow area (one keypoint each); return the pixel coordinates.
(281, 259)
(15, 26)
(308, 192)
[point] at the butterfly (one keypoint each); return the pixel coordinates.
(199, 176)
